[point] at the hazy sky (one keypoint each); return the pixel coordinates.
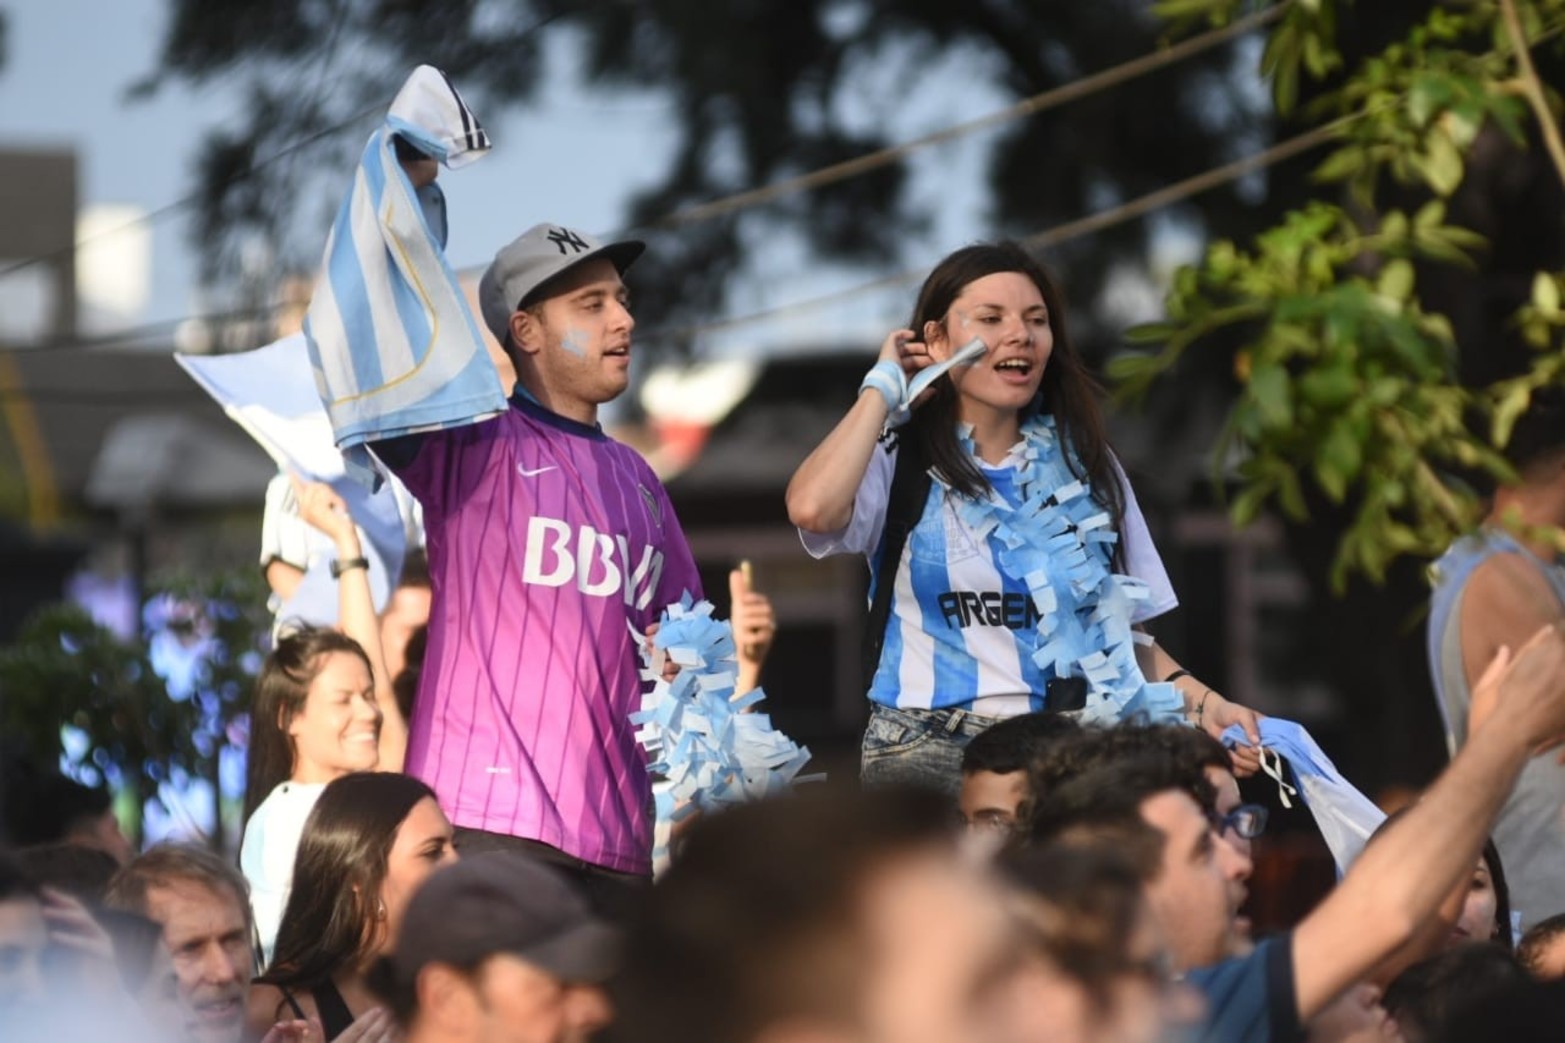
(64, 85)
(141, 153)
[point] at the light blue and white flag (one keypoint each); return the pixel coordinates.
(1346, 818)
(392, 340)
(268, 392)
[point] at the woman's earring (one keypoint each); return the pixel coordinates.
(380, 908)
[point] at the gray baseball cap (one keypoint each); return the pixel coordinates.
(532, 259)
(504, 902)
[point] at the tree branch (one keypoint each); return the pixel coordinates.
(1534, 87)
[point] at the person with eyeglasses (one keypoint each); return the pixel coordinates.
(1246, 822)
(1203, 769)
(1390, 897)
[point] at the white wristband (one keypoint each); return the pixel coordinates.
(887, 378)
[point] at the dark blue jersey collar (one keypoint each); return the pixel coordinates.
(528, 403)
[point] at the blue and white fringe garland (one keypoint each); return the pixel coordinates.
(707, 749)
(1060, 542)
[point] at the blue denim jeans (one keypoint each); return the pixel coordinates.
(917, 747)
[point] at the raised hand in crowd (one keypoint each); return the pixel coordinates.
(754, 624)
(1398, 884)
(322, 507)
(72, 928)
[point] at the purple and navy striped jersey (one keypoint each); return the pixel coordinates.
(545, 537)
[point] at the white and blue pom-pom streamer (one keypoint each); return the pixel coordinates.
(706, 748)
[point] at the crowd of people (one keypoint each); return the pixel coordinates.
(449, 821)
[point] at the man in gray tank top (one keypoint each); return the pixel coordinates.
(1495, 587)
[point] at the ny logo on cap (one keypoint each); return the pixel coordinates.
(563, 237)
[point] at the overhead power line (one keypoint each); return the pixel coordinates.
(1075, 229)
(1083, 87)
(153, 216)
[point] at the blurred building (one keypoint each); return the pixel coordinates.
(109, 456)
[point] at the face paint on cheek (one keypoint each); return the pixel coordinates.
(956, 330)
(575, 342)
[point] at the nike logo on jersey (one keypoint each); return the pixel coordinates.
(991, 608)
(525, 473)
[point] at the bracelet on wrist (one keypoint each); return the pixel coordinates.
(1176, 675)
(341, 565)
(1200, 710)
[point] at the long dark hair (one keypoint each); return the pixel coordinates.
(1068, 391)
(1502, 897)
(332, 920)
(280, 692)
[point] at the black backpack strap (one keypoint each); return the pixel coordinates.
(910, 483)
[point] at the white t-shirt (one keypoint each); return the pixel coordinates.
(961, 632)
(267, 854)
(391, 521)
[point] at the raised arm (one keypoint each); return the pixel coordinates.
(754, 624)
(1400, 880)
(320, 505)
(820, 495)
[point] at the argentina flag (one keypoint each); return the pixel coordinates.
(392, 341)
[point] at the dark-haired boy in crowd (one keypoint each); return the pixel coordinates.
(994, 767)
(407, 613)
(1388, 896)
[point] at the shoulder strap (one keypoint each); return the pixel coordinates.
(293, 1004)
(910, 483)
(336, 1017)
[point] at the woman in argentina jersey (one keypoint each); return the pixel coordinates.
(1020, 585)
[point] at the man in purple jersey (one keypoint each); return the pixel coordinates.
(546, 538)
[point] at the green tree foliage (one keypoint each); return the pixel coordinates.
(1350, 376)
(761, 91)
(149, 712)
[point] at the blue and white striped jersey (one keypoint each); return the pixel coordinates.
(961, 632)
